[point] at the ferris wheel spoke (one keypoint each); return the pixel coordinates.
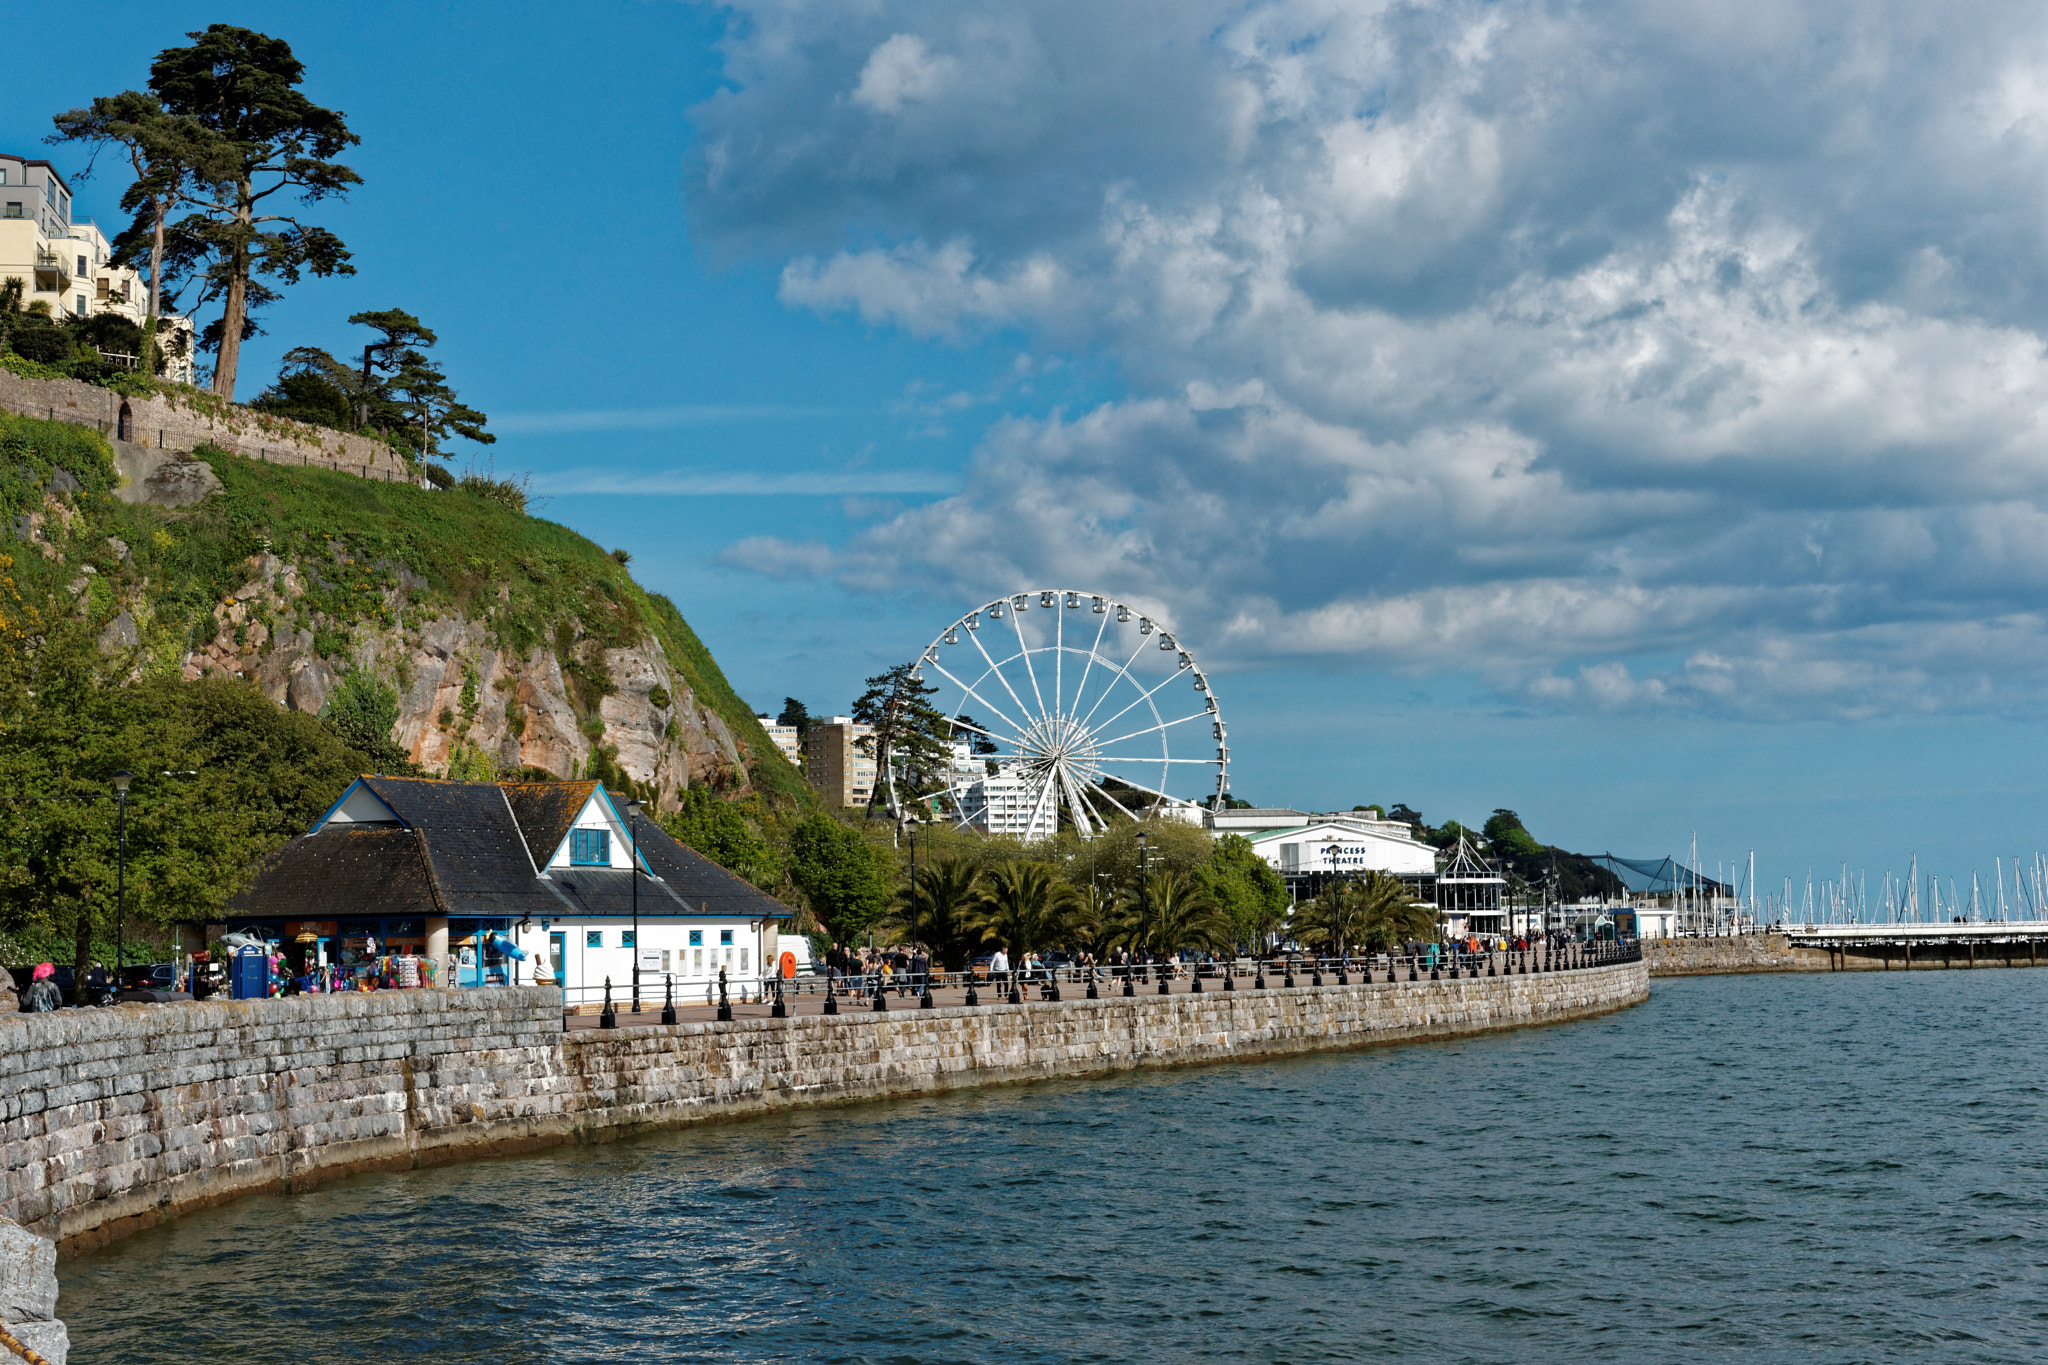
(1123, 670)
(1083, 821)
(986, 704)
(1145, 697)
(1038, 803)
(1025, 649)
(1081, 689)
(1155, 758)
(1106, 804)
(959, 724)
(1163, 725)
(1059, 652)
(1001, 677)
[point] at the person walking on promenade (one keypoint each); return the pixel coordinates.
(999, 966)
(41, 997)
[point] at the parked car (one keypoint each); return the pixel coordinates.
(160, 975)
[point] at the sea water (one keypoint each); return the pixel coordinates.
(1774, 1168)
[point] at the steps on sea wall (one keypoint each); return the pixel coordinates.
(112, 1120)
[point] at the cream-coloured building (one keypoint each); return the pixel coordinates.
(784, 738)
(65, 263)
(834, 764)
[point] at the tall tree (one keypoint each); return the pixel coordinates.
(907, 730)
(1252, 896)
(268, 139)
(171, 157)
(839, 874)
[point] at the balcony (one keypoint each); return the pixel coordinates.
(53, 272)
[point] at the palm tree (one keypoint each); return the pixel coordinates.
(940, 904)
(1377, 913)
(1025, 906)
(1176, 912)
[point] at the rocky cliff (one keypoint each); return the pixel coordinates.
(509, 642)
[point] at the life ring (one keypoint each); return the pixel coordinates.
(789, 966)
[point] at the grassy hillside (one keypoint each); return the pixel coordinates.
(527, 579)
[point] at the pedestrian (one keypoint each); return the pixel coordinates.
(999, 966)
(41, 997)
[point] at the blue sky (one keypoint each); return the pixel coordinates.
(1631, 415)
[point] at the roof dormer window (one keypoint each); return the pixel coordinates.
(590, 847)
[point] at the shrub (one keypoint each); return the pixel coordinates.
(44, 345)
(307, 398)
(507, 492)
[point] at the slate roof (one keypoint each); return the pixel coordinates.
(368, 869)
(472, 849)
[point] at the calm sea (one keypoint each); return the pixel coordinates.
(1819, 1168)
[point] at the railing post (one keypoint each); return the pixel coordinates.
(781, 1007)
(609, 1018)
(724, 1004)
(668, 998)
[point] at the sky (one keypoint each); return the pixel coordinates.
(1627, 414)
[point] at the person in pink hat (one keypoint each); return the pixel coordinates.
(41, 996)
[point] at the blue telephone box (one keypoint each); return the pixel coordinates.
(249, 974)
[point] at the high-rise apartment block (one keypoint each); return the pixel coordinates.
(833, 762)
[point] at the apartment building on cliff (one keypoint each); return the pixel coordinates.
(66, 263)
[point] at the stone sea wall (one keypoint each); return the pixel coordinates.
(1730, 956)
(1776, 953)
(28, 1294)
(113, 1120)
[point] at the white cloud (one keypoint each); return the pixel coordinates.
(779, 558)
(1633, 356)
(901, 69)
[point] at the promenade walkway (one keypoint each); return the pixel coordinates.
(805, 995)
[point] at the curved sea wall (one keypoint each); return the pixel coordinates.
(113, 1120)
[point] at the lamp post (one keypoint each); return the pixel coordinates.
(633, 809)
(121, 781)
(1144, 891)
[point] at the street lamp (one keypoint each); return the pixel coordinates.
(633, 809)
(1144, 891)
(121, 781)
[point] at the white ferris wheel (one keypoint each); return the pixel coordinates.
(1052, 730)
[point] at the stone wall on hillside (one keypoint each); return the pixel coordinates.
(177, 420)
(112, 1120)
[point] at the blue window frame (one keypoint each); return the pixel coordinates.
(696, 938)
(590, 847)
(593, 938)
(725, 936)
(626, 938)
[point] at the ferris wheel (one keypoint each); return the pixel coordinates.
(1118, 721)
